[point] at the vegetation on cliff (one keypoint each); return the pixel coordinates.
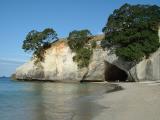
(76, 41)
(133, 30)
(37, 42)
(93, 44)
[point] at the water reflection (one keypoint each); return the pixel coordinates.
(50, 101)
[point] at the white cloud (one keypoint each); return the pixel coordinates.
(11, 61)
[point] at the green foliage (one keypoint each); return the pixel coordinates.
(130, 53)
(37, 42)
(133, 29)
(93, 44)
(82, 57)
(77, 41)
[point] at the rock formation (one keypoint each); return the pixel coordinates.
(104, 65)
(58, 65)
(147, 69)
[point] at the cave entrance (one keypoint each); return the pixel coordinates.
(113, 73)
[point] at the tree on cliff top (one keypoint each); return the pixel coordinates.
(36, 41)
(133, 29)
(76, 41)
(78, 38)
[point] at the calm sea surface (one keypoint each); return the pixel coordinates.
(49, 101)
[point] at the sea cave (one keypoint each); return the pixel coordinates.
(114, 73)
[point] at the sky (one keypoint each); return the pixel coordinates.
(18, 17)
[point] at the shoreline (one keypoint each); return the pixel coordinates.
(124, 100)
(137, 101)
(59, 81)
(113, 86)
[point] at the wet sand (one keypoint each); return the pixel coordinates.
(137, 101)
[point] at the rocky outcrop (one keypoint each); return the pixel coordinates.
(58, 65)
(147, 69)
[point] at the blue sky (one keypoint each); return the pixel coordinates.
(18, 17)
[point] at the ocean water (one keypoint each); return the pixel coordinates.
(49, 100)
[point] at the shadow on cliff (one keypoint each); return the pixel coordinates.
(114, 74)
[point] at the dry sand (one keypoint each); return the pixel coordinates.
(138, 101)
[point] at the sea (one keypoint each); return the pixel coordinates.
(22, 100)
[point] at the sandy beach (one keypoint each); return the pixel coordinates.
(138, 101)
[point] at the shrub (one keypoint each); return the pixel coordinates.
(82, 57)
(93, 44)
(77, 41)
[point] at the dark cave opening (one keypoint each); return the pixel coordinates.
(113, 73)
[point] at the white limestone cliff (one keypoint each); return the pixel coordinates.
(58, 65)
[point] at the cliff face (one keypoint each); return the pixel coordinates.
(58, 65)
(147, 69)
(159, 34)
